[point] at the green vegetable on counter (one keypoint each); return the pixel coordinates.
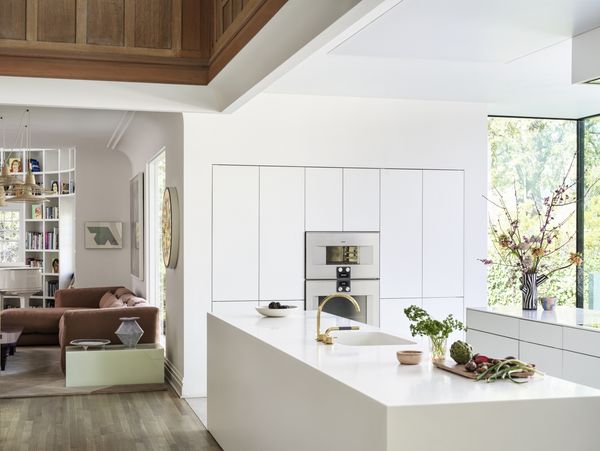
(506, 369)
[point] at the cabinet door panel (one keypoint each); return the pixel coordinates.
(545, 358)
(443, 233)
(401, 233)
(392, 318)
(281, 233)
(361, 199)
(493, 323)
(323, 199)
(492, 345)
(582, 369)
(440, 308)
(235, 233)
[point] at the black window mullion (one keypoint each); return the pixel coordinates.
(580, 213)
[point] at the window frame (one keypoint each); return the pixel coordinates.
(21, 241)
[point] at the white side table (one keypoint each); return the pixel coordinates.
(115, 365)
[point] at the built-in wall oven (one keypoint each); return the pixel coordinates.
(343, 262)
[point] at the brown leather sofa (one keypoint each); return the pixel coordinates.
(76, 316)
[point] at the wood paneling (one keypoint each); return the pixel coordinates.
(56, 20)
(106, 22)
(153, 23)
(168, 41)
(13, 19)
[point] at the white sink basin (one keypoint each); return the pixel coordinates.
(368, 338)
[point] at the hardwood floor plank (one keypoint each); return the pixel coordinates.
(125, 421)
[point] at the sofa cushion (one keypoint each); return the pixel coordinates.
(131, 300)
(109, 300)
(34, 320)
(121, 291)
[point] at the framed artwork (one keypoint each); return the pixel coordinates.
(103, 235)
(14, 165)
(136, 199)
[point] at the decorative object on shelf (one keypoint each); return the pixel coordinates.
(54, 186)
(55, 266)
(136, 196)
(437, 331)
(34, 165)
(15, 165)
(103, 235)
(129, 332)
(89, 343)
(548, 303)
(36, 211)
(532, 256)
(409, 357)
(170, 227)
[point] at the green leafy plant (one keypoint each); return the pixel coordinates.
(426, 326)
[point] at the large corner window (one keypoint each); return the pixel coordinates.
(528, 160)
(12, 250)
(157, 273)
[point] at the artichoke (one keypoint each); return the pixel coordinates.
(461, 352)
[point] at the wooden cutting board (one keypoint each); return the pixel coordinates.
(460, 370)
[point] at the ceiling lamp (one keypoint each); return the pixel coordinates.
(3, 202)
(28, 192)
(6, 179)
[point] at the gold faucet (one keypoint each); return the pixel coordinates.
(326, 338)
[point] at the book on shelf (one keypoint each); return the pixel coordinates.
(34, 241)
(52, 286)
(51, 212)
(36, 211)
(33, 262)
(51, 239)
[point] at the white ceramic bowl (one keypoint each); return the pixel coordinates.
(409, 357)
(275, 312)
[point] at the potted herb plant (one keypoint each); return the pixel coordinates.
(437, 331)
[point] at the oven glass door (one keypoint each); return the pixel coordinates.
(341, 307)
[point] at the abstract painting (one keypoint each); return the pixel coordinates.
(103, 235)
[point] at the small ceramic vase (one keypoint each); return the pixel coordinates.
(129, 332)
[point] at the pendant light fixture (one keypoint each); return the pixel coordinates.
(29, 191)
(6, 179)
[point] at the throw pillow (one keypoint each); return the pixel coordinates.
(121, 291)
(134, 301)
(109, 300)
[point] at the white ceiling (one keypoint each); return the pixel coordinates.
(513, 55)
(61, 127)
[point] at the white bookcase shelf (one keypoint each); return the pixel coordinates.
(54, 230)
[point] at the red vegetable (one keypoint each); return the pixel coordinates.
(481, 359)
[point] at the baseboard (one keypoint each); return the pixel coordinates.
(173, 377)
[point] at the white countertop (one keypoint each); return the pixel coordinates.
(560, 316)
(375, 372)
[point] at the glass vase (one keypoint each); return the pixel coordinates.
(438, 348)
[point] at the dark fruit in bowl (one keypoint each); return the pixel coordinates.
(278, 306)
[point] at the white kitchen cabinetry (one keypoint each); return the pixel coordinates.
(281, 233)
(392, 318)
(492, 345)
(324, 199)
(401, 233)
(581, 368)
(443, 219)
(235, 233)
(546, 359)
(361, 200)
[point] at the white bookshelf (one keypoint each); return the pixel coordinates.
(57, 167)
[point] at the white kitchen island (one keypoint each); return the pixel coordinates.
(271, 386)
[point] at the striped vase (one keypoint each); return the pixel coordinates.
(529, 284)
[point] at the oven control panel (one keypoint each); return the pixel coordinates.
(343, 275)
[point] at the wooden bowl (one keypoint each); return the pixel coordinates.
(409, 357)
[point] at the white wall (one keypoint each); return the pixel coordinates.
(326, 131)
(145, 137)
(102, 194)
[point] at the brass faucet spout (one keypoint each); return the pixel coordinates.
(326, 338)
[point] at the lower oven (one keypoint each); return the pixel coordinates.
(366, 293)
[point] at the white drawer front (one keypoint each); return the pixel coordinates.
(582, 369)
(582, 341)
(492, 323)
(540, 333)
(548, 360)
(492, 345)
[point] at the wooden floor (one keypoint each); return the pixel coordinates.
(133, 421)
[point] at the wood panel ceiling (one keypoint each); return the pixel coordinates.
(154, 41)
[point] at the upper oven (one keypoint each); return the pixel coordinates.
(326, 252)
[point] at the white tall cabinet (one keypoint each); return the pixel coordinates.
(281, 234)
(260, 215)
(235, 233)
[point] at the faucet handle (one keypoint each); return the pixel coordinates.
(348, 328)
